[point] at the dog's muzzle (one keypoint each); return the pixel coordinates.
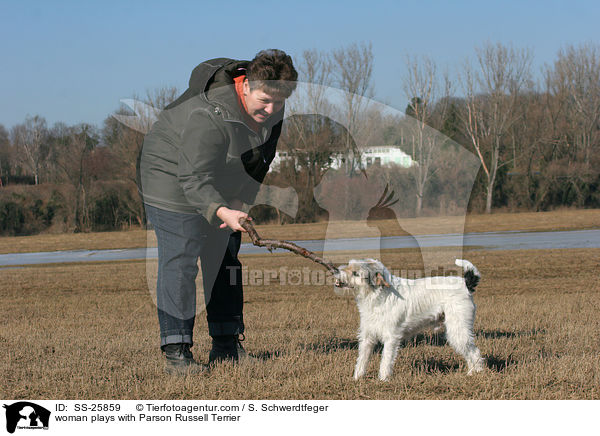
(340, 280)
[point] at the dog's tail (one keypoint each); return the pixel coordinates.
(471, 274)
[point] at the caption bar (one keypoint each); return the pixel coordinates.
(72, 417)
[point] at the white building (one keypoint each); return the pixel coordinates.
(385, 155)
(373, 155)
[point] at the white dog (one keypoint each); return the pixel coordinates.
(393, 309)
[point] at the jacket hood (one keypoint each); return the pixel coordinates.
(213, 73)
(204, 77)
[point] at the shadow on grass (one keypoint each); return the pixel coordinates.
(432, 365)
(332, 345)
(499, 364)
(431, 338)
(494, 334)
(266, 355)
(493, 363)
(435, 339)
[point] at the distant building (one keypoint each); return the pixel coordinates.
(385, 155)
(373, 155)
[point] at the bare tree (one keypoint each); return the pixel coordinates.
(30, 140)
(71, 160)
(304, 141)
(572, 108)
(310, 143)
(492, 88)
(352, 72)
(529, 153)
(423, 87)
(58, 143)
(160, 98)
(6, 155)
(126, 142)
(315, 73)
(576, 76)
(311, 139)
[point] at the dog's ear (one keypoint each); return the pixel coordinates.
(380, 280)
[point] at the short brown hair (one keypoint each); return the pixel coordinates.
(273, 71)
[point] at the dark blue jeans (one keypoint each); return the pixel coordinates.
(182, 240)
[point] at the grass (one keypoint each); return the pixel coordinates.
(530, 221)
(89, 331)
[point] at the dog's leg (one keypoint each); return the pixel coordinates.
(459, 333)
(366, 344)
(388, 357)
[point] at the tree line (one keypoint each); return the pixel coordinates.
(535, 138)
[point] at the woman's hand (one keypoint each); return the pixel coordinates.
(231, 218)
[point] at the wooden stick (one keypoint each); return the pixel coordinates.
(270, 244)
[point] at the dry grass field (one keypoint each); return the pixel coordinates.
(89, 331)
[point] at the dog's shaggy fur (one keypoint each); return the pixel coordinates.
(393, 309)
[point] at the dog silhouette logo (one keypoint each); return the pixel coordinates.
(26, 415)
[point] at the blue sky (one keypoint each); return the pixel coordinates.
(72, 61)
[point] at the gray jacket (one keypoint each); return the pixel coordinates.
(200, 154)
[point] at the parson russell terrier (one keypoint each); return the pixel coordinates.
(393, 309)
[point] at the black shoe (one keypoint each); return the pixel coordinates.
(180, 360)
(225, 348)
